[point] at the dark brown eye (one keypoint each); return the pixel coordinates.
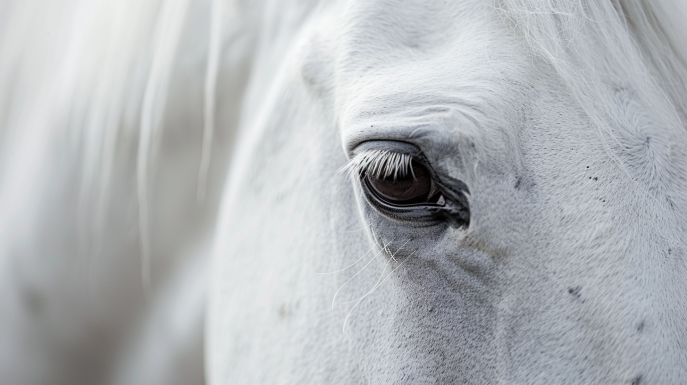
(415, 187)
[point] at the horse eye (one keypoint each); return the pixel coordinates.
(415, 187)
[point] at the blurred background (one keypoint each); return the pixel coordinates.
(116, 124)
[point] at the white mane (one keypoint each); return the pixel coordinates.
(598, 47)
(104, 80)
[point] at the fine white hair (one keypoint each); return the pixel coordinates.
(598, 47)
(99, 72)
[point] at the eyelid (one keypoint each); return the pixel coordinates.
(382, 158)
(387, 145)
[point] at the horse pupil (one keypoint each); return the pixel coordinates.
(411, 188)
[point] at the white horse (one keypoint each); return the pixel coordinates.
(464, 191)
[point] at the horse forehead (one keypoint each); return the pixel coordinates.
(387, 26)
(382, 58)
(374, 35)
(355, 38)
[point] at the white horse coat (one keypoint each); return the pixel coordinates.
(552, 130)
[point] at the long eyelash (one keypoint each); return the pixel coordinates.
(379, 164)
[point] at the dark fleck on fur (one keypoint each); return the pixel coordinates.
(575, 291)
(640, 327)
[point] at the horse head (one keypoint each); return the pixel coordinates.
(511, 206)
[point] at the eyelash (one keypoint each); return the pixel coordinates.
(379, 164)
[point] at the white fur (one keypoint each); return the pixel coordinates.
(565, 119)
(565, 124)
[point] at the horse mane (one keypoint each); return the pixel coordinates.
(600, 46)
(96, 76)
(101, 73)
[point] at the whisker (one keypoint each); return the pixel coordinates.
(350, 231)
(381, 275)
(355, 275)
(374, 288)
(351, 265)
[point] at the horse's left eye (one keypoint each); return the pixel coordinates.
(416, 187)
